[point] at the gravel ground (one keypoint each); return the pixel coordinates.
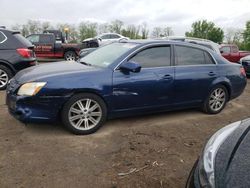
(155, 150)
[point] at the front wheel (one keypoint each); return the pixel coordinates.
(84, 113)
(216, 100)
(70, 56)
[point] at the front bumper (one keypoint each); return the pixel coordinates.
(34, 109)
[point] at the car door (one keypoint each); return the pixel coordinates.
(47, 43)
(195, 72)
(34, 39)
(152, 86)
(114, 37)
(105, 39)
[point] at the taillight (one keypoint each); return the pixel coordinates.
(24, 52)
(242, 71)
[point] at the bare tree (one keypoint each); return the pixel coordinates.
(144, 30)
(116, 26)
(156, 33)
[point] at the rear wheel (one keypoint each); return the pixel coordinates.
(216, 100)
(84, 113)
(5, 76)
(70, 56)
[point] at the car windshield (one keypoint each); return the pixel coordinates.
(106, 55)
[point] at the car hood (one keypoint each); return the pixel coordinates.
(246, 58)
(232, 160)
(43, 71)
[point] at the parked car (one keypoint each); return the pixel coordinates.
(104, 39)
(85, 52)
(231, 52)
(224, 161)
(122, 79)
(16, 53)
(245, 61)
(203, 42)
(49, 45)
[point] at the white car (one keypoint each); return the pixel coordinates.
(102, 39)
(107, 38)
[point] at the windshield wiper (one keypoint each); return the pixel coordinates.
(84, 63)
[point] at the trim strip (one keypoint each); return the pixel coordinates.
(3, 39)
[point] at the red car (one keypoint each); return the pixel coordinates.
(231, 52)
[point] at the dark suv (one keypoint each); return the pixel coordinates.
(16, 53)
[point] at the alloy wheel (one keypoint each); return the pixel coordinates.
(70, 57)
(85, 114)
(3, 78)
(217, 99)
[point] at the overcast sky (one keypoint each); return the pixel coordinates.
(178, 14)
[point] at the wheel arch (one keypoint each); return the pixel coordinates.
(83, 91)
(8, 65)
(70, 49)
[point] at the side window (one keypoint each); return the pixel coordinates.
(234, 49)
(2, 37)
(225, 49)
(105, 37)
(189, 56)
(208, 58)
(33, 38)
(114, 36)
(46, 39)
(153, 57)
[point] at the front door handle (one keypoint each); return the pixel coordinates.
(211, 73)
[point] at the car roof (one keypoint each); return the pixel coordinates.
(162, 41)
(9, 31)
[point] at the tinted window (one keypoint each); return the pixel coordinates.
(46, 38)
(105, 37)
(153, 57)
(22, 39)
(208, 58)
(33, 38)
(114, 36)
(234, 49)
(2, 37)
(189, 56)
(225, 49)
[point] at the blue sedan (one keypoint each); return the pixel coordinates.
(122, 79)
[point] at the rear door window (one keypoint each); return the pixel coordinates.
(190, 56)
(45, 39)
(22, 40)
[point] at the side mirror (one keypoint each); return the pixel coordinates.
(100, 39)
(130, 67)
(221, 51)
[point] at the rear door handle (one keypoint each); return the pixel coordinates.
(167, 77)
(211, 73)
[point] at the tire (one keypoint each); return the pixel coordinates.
(216, 100)
(70, 56)
(5, 76)
(78, 117)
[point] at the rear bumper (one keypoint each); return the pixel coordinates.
(35, 109)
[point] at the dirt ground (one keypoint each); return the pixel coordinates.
(158, 150)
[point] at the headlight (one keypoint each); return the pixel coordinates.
(212, 147)
(30, 89)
